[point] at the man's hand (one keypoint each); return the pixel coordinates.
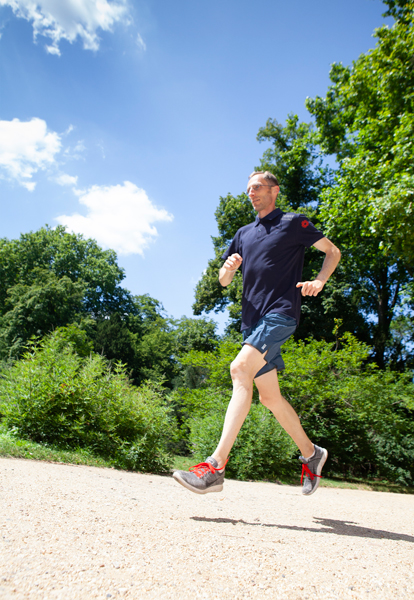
(233, 262)
(332, 256)
(229, 268)
(311, 288)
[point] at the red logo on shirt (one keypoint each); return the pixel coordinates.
(305, 223)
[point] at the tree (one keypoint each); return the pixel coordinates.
(112, 338)
(367, 121)
(149, 344)
(66, 255)
(363, 414)
(399, 9)
(198, 335)
(295, 159)
(195, 334)
(142, 340)
(37, 309)
(50, 278)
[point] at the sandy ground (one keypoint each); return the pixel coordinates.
(81, 532)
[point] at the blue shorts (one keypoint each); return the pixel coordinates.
(268, 335)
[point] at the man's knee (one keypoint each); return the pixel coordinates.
(272, 401)
(265, 400)
(239, 369)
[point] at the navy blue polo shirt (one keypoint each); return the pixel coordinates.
(273, 250)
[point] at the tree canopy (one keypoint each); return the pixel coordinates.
(363, 201)
(48, 276)
(366, 121)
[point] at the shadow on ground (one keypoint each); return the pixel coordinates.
(328, 526)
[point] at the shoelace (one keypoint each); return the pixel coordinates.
(203, 468)
(307, 472)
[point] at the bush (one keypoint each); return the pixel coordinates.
(363, 415)
(54, 396)
(262, 449)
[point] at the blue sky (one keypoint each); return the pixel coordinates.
(126, 121)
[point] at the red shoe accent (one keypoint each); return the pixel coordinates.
(202, 468)
(307, 471)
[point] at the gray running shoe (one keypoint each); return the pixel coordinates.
(202, 478)
(311, 470)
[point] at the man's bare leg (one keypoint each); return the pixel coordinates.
(209, 476)
(243, 369)
(270, 396)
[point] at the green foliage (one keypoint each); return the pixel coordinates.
(367, 120)
(295, 160)
(192, 334)
(54, 396)
(211, 379)
(399, 9)
(143, 340)
(216, 365)
(195, 334)
(64, 254)
(262, 449)
(363, 415)
(75, 337)
(112, 338)
(50, 278)
(38, 308)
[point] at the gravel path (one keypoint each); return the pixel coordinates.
(75, 532)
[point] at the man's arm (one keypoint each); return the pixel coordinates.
(229, 268)
(332, 258)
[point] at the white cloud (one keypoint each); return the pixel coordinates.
(68, 130)
(75, 152)
(69, 19)
(64, 179)
(141, 44)
(25, 148)
(120, 217)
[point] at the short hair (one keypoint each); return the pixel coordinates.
(267, 175)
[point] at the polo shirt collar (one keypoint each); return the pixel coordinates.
(275, 213)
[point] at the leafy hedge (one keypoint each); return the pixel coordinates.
(363, 415)
(262, 449)
(55, 396)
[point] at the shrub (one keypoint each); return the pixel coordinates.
(54, 396)
(262, 449)
(363, 415)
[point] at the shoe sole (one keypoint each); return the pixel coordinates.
(213, 488)
(319, 471)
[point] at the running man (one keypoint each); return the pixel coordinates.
(270, 252)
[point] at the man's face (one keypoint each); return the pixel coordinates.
(263, 197)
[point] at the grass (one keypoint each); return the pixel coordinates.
(373, 485)
(185, 462)
(12, 447)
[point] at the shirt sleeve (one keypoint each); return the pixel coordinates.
(234, 247)
(307, 232)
